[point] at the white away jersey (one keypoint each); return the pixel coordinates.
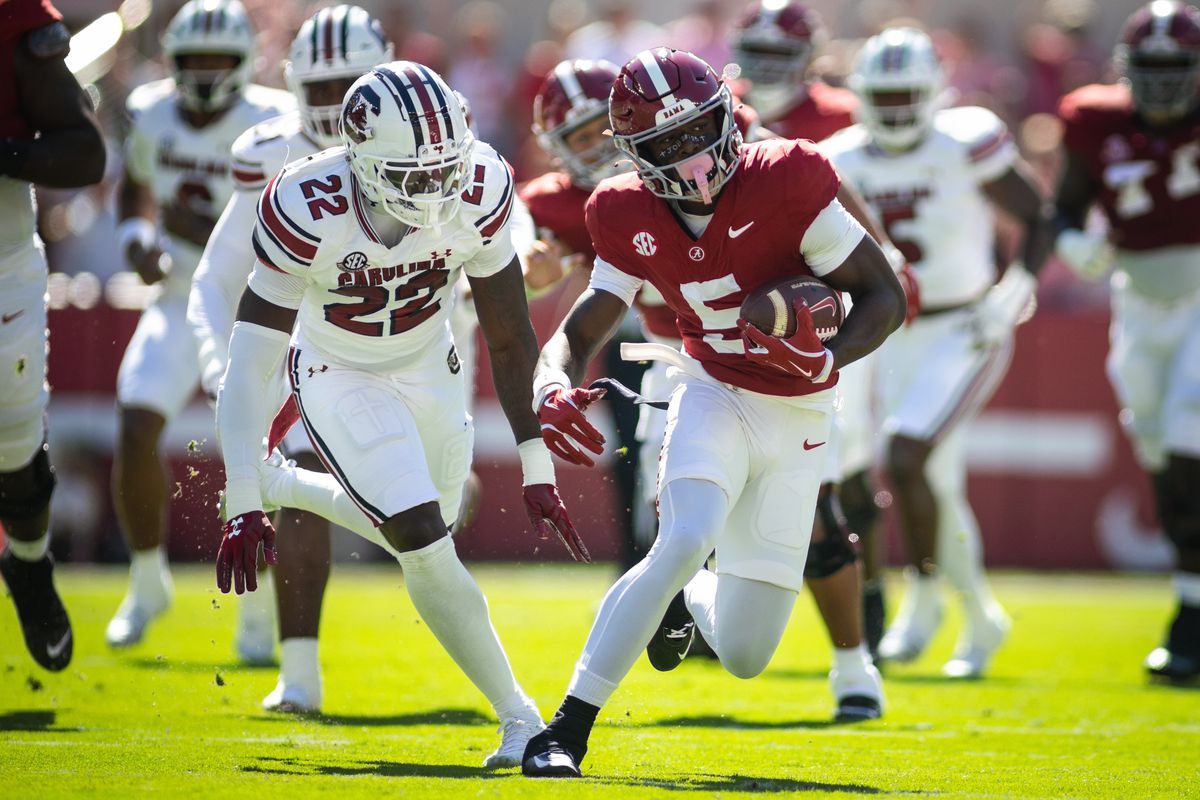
(359, 301)
(263, 150)
(186, 165)
(930, 200)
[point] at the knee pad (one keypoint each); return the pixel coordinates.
(25, 493)
(1179, 503)
(857, 498)
(834, 551)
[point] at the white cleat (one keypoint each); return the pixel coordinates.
(915, 624)
(290, 698)
(979, 643)
(515, 734)
(128, 625)
(858, 693)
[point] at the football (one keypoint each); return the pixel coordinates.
(771, 308)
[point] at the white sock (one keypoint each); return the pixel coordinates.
(149, 577)
(300, 666)
(319, 493)
(30, 551)
(259, 606)
(693, 512)
(960, 557)
(1187, 584)
(851, 660)
(453, 607)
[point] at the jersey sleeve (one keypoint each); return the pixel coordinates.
(250, 173)
(990, 149)
(594, 217)
(830, 239)
(605, 277)
(277, 287)
(18, 17)
(490, 209)
(810, 183)
(279, 242)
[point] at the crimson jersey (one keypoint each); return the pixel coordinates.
(1147, 182)
(824, 111)
(753, 237)
(17, 17)
(557, 205)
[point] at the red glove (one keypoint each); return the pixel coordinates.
(285, 418)
(564, 425)
(549, 516)
(912, 292)
(238, 557)
(802, 354)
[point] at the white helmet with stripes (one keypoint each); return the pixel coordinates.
(899, 81)
(339, 43)
(408, 141)
(204, 27)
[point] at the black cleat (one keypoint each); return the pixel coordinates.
(874, 617)
(549, 754)
(673, 638)
(43, 618)
(857, 708)
(1164, 665)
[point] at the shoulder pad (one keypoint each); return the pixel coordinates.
(970, 125)
(488, 202)
(842, 142)
(269, 99)
(144, 97)
(288, 231)
(262, 151)
(49, 42)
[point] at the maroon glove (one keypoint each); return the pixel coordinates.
(912, 293)
(802, 354)
(238, 557)
(564, 425)
(549, 516)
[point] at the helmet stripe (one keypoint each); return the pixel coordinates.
(565, 74)
(667, 97)
(313, 23)
(442, 101)
(403, 102)
(428, 109)
(344, 34)
(327, 33)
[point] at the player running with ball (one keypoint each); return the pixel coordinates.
(705, 221)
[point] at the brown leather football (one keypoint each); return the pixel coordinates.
(771, 309)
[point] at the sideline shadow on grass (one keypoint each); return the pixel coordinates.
(738, 783)
(270, 765)
(437, 716)
(32, 721)
(721, 721)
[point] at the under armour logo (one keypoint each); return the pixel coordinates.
(442, 254)
(237, 527)
(313, 370)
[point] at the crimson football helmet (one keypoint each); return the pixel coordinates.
(575, 94)
(773, 44)
(1159, 56)
(664, 93)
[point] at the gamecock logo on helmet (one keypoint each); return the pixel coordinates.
(355, 115)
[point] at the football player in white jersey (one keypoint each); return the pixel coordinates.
(49, 136)
(358, 251)
(331, 50)
(933, 175)
(177, 180)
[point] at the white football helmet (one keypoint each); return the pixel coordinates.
(899, 82)
(341, 42)
(210, 26)
(409, 143)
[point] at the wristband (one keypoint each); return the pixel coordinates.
(136, 229)
(544, 381)
(536, 464)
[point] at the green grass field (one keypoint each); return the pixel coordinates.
(1065, 713)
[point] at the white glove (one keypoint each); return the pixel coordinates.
(1088, 253)
(1005, 306)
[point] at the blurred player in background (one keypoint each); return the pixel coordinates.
(1133, 150)
(571, 120)
(48, 136)
(933, 176)
(177, 180)
(358, 250)
(332, 49)
(701, 220)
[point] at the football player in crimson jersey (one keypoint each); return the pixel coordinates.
(358, 249)
(934, 175)
(331, 50)
(49, 136)
(1133, 150)
(177, 179)
(571, 120)
(707, 219)
(773, 44)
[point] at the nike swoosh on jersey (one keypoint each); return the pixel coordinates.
(7, 318)
(736, 232)
(55, 650)
(808, 446)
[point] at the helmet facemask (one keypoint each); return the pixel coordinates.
(1164, 87)
(899, 118)
(321, 107)
(205, 87)
(584, 149)
(424, 192)
(775, 71)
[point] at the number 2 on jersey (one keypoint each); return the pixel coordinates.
(332, 203)
(419, 292)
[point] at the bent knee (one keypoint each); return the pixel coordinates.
(415, 528)
(906, 459)
(745, 663)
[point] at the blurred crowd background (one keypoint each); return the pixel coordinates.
(1016, 58)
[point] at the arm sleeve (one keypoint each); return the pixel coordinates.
(830, 239)
(277, 287)
(139, 155)
(217, 285)
(255, 353)
(606, 277)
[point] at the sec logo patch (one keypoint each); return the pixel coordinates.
(644, 244)
(353, 262)
(696, 253)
